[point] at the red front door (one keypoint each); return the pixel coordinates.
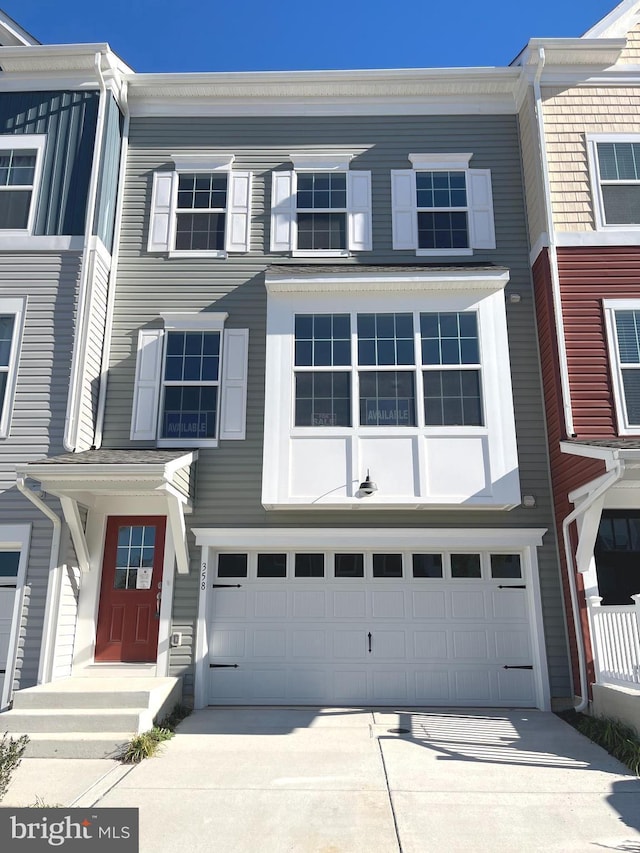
(130, 592)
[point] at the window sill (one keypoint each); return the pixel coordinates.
(187, 442)
(176, 253)
(444, 252)
(320, 253)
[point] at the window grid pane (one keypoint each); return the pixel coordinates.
(17, 168)
(135, 550)
(385, 339)
(322, 191)
(322, 340)
(204, 196)
(387, 398)
(322, 231)
(441, 201)
(323, 399)
(452, 398)
(449, 338)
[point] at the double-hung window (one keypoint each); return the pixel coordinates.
(369, 369)
(20, 170)
(441, 206)
(11, 323)
(615, 173)
(623, 331)
(200, 209)
(190, 386)
(321, 207)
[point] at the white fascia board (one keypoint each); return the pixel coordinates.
(354, 281)
(357, 538)
(12, 30)
(590, 451)
(98, 473)
(579, 53)
(440, 161)
(186, 162)
(142, 107)
(181, 462)
(607, 236)
(60, 57)
(314, 161)
(204, 320)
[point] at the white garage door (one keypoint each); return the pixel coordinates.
(9, 561)
(369, 629)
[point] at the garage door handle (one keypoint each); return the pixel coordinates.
(518, 667)
(512, 586)
(226, 585)
(369, 636)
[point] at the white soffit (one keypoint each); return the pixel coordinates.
(351, 281)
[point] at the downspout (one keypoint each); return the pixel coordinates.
(553, 254)
(45, 664)
(614, 476)
(82, 316)
(111, 297)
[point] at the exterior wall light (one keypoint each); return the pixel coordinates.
(367, 487)
(528, 501)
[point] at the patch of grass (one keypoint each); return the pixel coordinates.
(619, 740)
(147, 744)
(11, 752)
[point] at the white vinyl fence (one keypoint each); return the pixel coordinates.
(615, 634)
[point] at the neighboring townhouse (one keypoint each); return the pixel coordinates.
(60, 141)
(324, 403)
(580, 121)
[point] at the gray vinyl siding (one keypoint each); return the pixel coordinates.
(99, 267)
(50, 282)
(68, 609)
(69, 120)
(108, 178)
(229, 477)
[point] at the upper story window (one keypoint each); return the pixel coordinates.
(191, 378)
(321, 208)
(20, 170)
(441, 206)
(201, 209)
(615, 165)
(623, 330)
(346, 369)
(11, 322)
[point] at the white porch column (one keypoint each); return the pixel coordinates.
(594, 604)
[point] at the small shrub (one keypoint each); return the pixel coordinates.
(147, 744)
(11, 752)
(619, 740)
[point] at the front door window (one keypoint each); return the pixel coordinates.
(617, 554)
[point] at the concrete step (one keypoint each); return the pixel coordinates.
(117, 670)
(99, 693)
(77, 720)
(83, 745)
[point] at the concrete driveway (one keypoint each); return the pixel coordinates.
(346, 781)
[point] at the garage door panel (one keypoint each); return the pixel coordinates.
(270, 604)
(349, 604)
(389, 645)
(268, 685)
(228, 643)
(472, 685)
(430, 645)
(349, 644)
(432, 686)
(388, 604)
(470, 645)
(350, 686)
(468, 604)
(429, 604)
(389, 686)
(516, 685)
(513, 646)
(270, 643)
(309, 604)
(510, 604)
(230, 604)
(308, 685)
(309, 645)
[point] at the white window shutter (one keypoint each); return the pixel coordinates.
(481, 223)
(238, 212)
(283, 211)
(359, 211)
(146, 393)
(160, 219)
(233, 403)
(403, 209)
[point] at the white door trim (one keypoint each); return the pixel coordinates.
(14, 537)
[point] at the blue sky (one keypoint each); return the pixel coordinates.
(211, 35)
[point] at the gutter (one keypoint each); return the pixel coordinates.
(83, 313)
(614, 475)
(553, 254)
(52, 601)
(113, 275)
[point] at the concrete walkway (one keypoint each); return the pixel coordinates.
(343, 781)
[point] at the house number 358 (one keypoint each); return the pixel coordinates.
(203, 576)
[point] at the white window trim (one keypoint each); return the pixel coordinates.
(164, 203)
(16, 142)
(417, 369)
(611, 306)
(149, 385)
(14, 538)
(441, 162)
(205, 322)
(16, 307)
(596, 185)
(335, 161)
